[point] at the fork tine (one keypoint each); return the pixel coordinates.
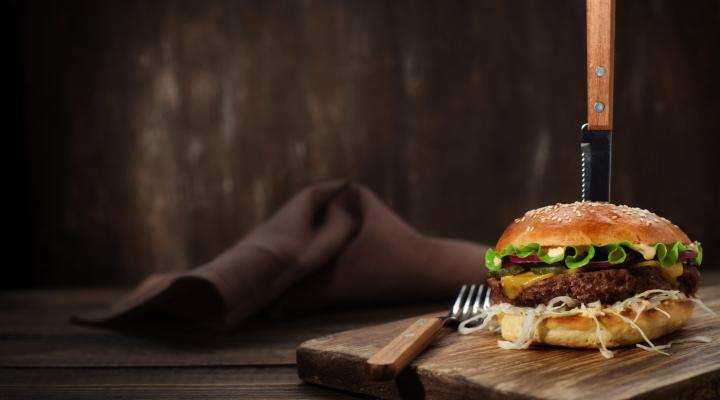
(486, 302)
(468, 301)
(476, 303)
(458, 302)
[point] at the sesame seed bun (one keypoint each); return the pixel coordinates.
(584, 223)
(580, 332)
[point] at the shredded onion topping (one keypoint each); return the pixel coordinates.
(563, 306)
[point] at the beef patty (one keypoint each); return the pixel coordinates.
(608, 286)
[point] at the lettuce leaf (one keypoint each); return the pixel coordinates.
(551, 260)
(490, 256)
(527, 250)
(579, 258)
(574, 257)
(698, 259)
(615, 253)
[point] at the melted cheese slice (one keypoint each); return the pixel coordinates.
(671, 273)
(513, 285)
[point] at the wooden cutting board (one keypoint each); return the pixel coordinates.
(473, 366)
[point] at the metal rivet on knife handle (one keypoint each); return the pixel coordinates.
(599, 106)
(600, 71)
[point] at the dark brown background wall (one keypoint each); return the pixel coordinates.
(156, 133)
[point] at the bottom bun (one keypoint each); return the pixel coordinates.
(579, 331)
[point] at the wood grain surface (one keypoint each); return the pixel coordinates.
(155, 134)
(43, 356)
(473, 366)
(387, 363)
(158, 383)
(600, 21)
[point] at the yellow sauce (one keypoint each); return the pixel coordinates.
(513, 285)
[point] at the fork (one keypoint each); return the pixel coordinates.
(387, 363)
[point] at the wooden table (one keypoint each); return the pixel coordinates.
(43, 356)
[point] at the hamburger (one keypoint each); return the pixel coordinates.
(590, 275)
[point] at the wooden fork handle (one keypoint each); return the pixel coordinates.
(387, 363)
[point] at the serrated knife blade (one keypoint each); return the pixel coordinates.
(596, 161)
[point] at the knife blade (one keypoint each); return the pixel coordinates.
(596, 134)
(596, 157)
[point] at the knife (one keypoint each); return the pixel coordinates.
(596, 134)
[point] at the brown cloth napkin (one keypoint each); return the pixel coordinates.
(333, 244)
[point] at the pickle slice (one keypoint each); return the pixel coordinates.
(507, 271)
(548, 270)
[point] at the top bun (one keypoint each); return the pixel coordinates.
(584, 223)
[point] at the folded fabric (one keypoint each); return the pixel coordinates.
(334, 244)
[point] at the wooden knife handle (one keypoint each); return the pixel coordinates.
(387, 363)
(600, 63)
